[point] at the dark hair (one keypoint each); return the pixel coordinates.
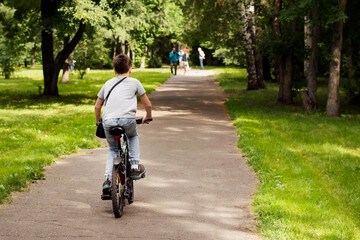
(122, 63)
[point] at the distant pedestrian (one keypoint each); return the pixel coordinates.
(72, 65)
(174, 58)
(185, 58)
(201, 57)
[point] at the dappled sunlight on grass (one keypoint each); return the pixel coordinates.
(308, 165)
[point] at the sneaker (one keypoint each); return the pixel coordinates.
(139, 172)
(106, 185)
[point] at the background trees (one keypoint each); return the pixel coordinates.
(293, 42)
(136, 28)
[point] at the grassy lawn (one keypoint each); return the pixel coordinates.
(35, 131)
(308, 165)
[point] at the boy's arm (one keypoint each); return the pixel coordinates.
(98, 106)
(147, 105)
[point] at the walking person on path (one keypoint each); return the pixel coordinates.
(174, 58)
(120, 110)
(201, 57)
(185, 57)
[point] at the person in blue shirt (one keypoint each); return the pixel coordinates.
(174, 57)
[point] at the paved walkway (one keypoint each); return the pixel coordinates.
(197, 184)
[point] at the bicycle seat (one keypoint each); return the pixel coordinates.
(117, 131)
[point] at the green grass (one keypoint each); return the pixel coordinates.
(35, 130)
(308, 165)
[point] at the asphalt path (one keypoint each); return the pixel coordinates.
(197, 185)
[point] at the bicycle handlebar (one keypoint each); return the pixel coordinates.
(139, 121)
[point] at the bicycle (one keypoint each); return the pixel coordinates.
(122, 184)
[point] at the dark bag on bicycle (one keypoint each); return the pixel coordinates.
(100, 132)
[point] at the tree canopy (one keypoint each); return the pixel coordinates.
(292, 42)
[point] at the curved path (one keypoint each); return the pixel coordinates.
(197, 184)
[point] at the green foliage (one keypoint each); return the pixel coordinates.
(216, 25)
(12, 44)
(307, 164)
(352, 89)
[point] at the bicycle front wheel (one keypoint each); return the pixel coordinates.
(117, 193)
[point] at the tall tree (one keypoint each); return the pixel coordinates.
(333, 101)
(285, 60)
(51, 65)
(253, 66)
(312, 39)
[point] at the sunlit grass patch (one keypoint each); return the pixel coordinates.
(308, 165)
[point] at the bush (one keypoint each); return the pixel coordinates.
(352, 89)
(155, 62)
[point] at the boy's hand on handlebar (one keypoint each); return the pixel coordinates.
(146, 120)
(143, 120)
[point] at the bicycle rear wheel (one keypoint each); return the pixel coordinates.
(117, 194)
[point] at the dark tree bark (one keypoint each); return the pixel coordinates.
(259, 70)
(309, 97)
(51, 66)
(333, 101)
(133, 58)
(285, 62)
(266, 69)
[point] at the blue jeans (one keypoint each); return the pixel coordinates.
(201, 63)
(129, 124)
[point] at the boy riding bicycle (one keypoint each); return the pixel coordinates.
(120, 110)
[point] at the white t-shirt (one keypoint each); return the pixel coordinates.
(122, 102)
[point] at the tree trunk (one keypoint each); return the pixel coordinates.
(258, 56)
(50, 86)
(266, 69)
(309, 97)
(259, 70)
(288, 74)
(248, 32)
(284, 63)
(133, 58)
(122, 48)
(33, 56)
(115, 46)
(333, 101)
(51, 67)
(143, 58)
(127, 49)
(307, 41)
(66, 65)
(279, 68)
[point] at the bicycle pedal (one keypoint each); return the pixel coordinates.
(105, 196)
(138, 177)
